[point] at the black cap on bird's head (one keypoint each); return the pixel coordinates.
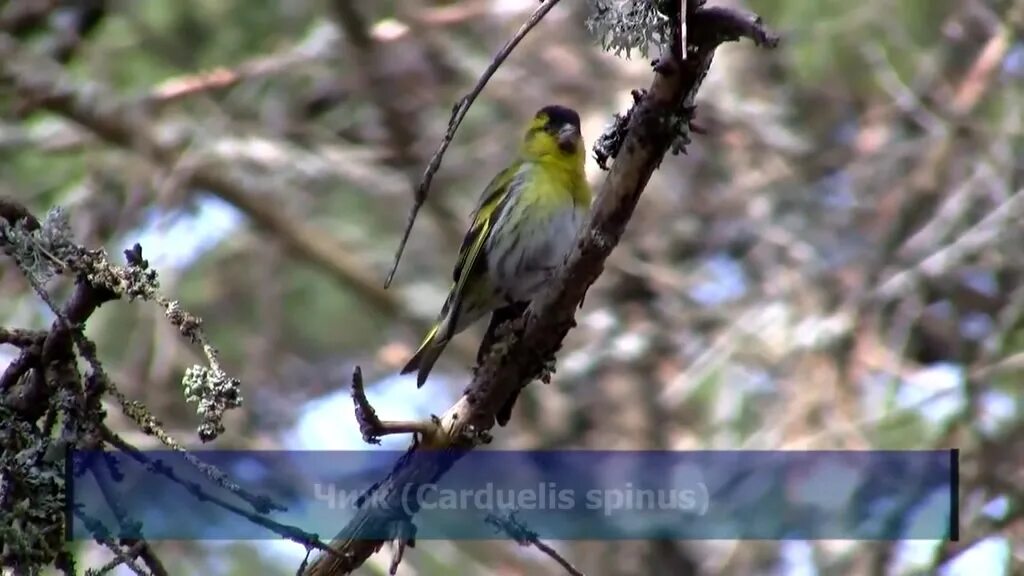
(561, 122)
(559, 116)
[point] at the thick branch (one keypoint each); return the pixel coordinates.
(550, 317)
(29, 396)
(20, 337)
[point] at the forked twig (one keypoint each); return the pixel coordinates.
(458, 114)
(260, 518)
(526, 537)
(371, 426)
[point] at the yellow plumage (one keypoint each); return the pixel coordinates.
(522, 229)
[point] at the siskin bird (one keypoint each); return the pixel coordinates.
(523, 228)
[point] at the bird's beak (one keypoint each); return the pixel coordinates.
(567, 137)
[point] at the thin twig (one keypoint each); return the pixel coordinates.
(88, 296)
(137, 547)
(131, 553)
(988, 232)
(290, 532)
(121, 556)
(150, 559)
(127, 125)
(305, 561)
(458, 114)
(523, 536)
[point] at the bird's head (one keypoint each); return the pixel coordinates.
(554, 133)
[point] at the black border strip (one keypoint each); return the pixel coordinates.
(954, 495)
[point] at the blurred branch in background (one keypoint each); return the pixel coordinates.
(122, 125)
(174, 89)
(385, 77)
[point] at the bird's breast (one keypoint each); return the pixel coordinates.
(523, 266)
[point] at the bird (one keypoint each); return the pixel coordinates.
(523, 228)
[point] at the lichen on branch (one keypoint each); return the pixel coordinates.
(623, 26)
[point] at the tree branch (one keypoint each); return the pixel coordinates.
(29, 396)
(522, 356)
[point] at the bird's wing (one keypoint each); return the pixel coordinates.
(491, 202)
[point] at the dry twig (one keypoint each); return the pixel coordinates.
(370, 425)
(526, 537)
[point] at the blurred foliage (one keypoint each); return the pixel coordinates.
(744, 299)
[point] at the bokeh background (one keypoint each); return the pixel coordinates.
(836, 264)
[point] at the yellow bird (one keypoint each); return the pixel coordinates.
(523, 228)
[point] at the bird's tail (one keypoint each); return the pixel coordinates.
(428, 353)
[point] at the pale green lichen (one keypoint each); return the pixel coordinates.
(42, 251)
(215, 392)
(49, 250)
(626, 25)
(209, 386)
(188, 324)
